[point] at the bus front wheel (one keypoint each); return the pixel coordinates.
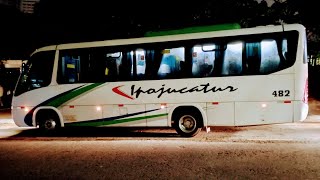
(187, 125)
(48, 124)
(48, 120)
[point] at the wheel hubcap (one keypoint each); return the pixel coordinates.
(49, 124)
(187, 123)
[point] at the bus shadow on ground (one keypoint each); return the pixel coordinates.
(89, 132)
(116, 132)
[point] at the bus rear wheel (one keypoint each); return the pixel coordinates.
(187, 125)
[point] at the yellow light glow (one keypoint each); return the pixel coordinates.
(26, 109)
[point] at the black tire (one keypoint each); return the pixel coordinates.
(49, 123)
(187, 124)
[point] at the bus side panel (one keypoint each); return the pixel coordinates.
(301, 110)
(253, 113)
(220, 114)
(301, 84)
(124, 111)
(73, 113)
(158, 118)
(19, 115)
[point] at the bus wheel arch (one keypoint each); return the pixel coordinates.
(187, 120)
(47, 118)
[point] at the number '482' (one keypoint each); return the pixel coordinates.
(281, 93)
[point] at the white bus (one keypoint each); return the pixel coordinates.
(187, 81)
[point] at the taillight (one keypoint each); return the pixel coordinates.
(306, 92)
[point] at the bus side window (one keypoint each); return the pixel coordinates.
(125, 67)
(270, 58)
(70, 66)
(92, 67)
(137, 60)
(150, 65)
(110, 70)
(141, 63)
(284, 49)
(203, 58)
(112, 63)
(232, 62)
(170, 62)
(253, 57)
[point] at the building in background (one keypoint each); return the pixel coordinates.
(27, 6)
(11, 3)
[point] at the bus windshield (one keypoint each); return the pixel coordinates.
(36, 72)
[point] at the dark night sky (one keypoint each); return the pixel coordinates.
(59, 21)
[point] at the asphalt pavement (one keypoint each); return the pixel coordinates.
(6, 119)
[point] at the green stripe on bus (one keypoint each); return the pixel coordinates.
(196, 29)
(103, 123)
(59, 101)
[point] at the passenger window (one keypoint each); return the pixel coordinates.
(138, 58)
(112, 63)
(285, 48)
(232, 62)
(253, 57)
(70, 66)
(171, 62)
(141, 62)
(77, 67)
(270, 59)
(203, 58)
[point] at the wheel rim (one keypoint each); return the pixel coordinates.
(187, 123)
(49, 124)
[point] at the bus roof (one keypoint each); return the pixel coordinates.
(196, 29)
(176, 37)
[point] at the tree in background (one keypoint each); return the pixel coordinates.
(64, 21)
(61, 21)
